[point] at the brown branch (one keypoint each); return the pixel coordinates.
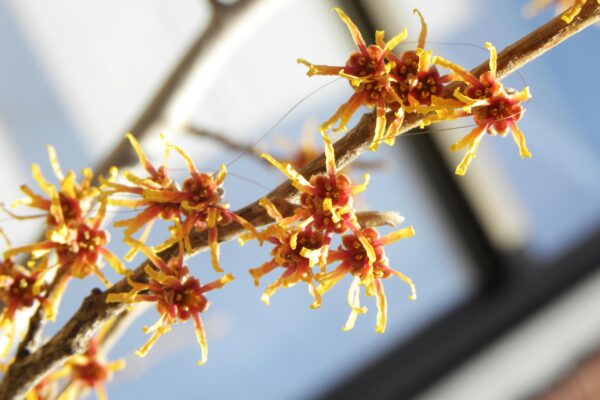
(73, 338)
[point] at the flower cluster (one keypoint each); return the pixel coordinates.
(195, 205)
(382, 80)
(495, 109)
(302, 240)
(178, 295)
(75, 243)
(412, 83)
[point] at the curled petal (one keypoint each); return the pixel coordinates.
(298, 180)
(37, 250)
(457, 69)
(380, 126)
(217, 284)
(54, 163)
(221, 175)
(136, 223)
(313, 256)
(201, 338)
(397, 235)
(162, 196)
(264, 269)
(470, 103)
(159, 328)
(36, 172)
(320, 69)
(424, 60)
(523, 95)
(270, 208)
(149, 253)
(472, 140)
(395, 41)
(345, 112)
(130, 255)
(113, 261)
(354, 302)
(408, 281)
(394, 128)
(423, 33)
(493, 58)
(329, 157)
(53, 301)
(191, 166)
(379, 41)
(140, 154)
(247, 225)
(356, 36)
(214, 249)
(381, 307)
(519, 140)
(363, 186)
(367, 246)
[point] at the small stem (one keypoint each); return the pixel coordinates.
(225, 141)
(74, 336)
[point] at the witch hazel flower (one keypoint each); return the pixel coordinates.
(89, 370)
(369, 75)
(494, 109)
(20, 289)
(157, 179)
(368, 267)
(73, 239)
(200, 199)
(179, 296)
(296, 250)
(196, 205)
(64, 206)
(325, 200)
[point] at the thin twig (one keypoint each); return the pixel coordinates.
(227, 142)
(74, 337)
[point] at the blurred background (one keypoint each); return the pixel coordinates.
(505, 259)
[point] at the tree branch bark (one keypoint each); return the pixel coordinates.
(74, 337)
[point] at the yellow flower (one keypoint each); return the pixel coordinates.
(368, 271)
(296, 250)
(495, 109)
(326, 200)
(178, 296)
(87, 371)
(196, 205)
(20, 289)
(369, 75)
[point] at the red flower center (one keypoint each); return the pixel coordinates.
(92, 373)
